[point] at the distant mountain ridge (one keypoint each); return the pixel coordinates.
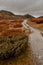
(4, 14)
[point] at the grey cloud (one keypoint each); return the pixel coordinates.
(34, 7)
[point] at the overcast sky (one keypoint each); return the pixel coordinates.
(34, 7)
